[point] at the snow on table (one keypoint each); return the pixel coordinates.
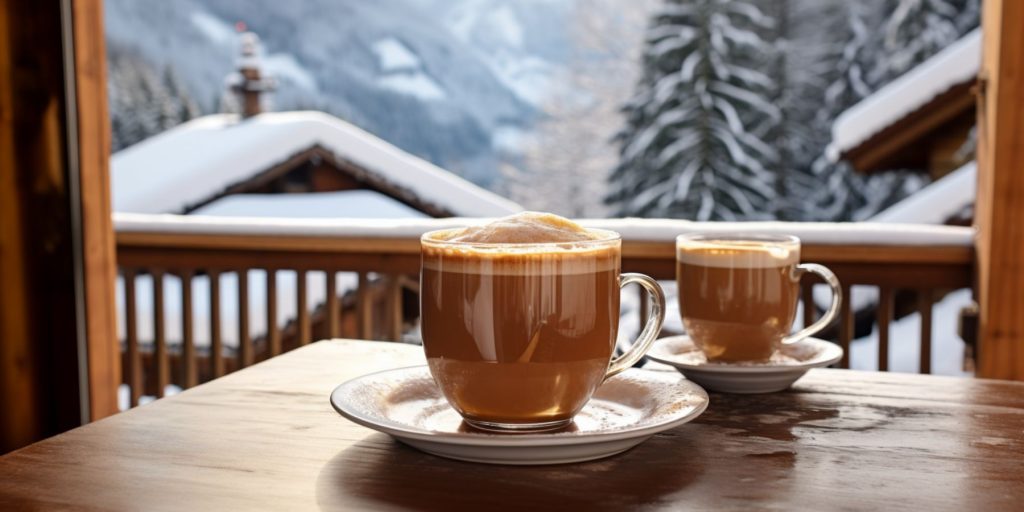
(201, 158)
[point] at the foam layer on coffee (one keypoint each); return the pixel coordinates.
(526, 228)
(737, 254)
(527, 243)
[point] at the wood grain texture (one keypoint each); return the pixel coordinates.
(265, 438)
(1000, 204)
(18, 394)
(98, 252)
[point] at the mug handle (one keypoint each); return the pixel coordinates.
(833, 309)
(655, 319)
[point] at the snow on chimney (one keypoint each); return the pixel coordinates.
(248, 82)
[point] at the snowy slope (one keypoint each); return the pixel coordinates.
(436, 78)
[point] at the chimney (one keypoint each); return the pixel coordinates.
(248, 83)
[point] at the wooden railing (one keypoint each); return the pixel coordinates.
(382, 260)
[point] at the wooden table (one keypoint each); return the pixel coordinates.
(266, 438)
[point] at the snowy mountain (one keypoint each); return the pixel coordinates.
(446, 80)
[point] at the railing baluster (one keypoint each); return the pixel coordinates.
(216, 342)
(364, 308)
(924, 307)
(132, 339)
(188, 347)
(302, 308)
(244, 343)
(884, 313)
(333, 320)
(273, 333)
(845, 327)
(150, 362)
(163, 369)
(395, 308)
(810, 309)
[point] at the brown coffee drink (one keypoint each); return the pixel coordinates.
(519, 319)
(738, 295)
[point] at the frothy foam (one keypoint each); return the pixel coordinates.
(526, 228)
(738, 254)
(513, 264)
(521, 245)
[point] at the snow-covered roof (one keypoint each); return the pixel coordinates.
(201, 158)
(832, 233)
(937, 202)
(955, 65)
(352, 204)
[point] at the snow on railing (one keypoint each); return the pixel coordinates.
(823, 233)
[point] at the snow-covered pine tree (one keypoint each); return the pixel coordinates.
(180, 106)
(804, 42)
(688, 149)
(918, 29)
(838, 193)
(141, 103)
(568, 150)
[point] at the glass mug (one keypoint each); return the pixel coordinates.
(518, 336)
(738, 293)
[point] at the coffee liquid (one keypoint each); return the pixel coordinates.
(519, 336)
(737, 302)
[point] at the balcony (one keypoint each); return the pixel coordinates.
(182, 331)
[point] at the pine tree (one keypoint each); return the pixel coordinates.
(840, 192)
(181, 107)
(566, 158)
(918, 29)
(143, 104)
(804, 41)
(688, 149)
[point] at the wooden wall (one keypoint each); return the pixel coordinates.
(56, 243)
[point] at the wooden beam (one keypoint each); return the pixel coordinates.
(17, 373)
(899, 145)
(43, 386)
(1000, 203)
(100, 269)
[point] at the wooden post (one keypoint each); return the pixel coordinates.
(98, 256)
(1000, 202)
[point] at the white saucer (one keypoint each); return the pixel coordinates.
(624, 412)
(776, 374)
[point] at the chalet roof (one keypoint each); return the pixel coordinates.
(200, 159)
(347, 204)
(926, 96)
(936, 203)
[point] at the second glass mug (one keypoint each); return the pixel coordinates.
(518, 336)
(738, 293)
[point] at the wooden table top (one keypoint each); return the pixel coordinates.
(267, 438)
